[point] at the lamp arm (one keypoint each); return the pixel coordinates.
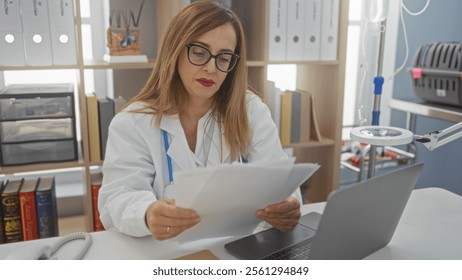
(436, 139)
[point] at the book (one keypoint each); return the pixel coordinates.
(314, 127)
(47, 213)
(28, 205)
(93, 127)
(119, 103)
(96, 181)
(295, 117)
(286, 116)
(11, 34)
(274, 102)
(106, 112)
(300, 129)
(277, 105)
(305, 116)
(11, 211)
(298, 123)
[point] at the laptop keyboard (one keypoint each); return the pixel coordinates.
(298, 252)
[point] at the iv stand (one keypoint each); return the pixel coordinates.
(378, 83)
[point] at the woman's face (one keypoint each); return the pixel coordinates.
(202, 82)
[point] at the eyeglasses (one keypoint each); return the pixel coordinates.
(199, 55)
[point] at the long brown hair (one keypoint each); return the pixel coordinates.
(164, 92)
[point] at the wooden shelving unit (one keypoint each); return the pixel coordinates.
(324, 80)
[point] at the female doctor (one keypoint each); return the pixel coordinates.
(194, 111)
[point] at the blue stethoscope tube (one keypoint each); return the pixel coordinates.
(169, 159)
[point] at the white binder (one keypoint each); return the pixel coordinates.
(11, 40)
(329, 29)
(36, 30)
(295, 29)
(277, 30)
(313, 15)
(62, 31)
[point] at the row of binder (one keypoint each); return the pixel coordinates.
(37, 33)
(303, 30)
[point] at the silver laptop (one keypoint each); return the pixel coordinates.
(357, 221)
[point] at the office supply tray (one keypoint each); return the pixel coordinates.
(38, 152)
(37, 129)
(436, 73)
(19, 102)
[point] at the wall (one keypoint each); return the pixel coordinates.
(440, 22)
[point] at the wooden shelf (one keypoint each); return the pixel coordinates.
(323, 79)
(100, 64)
(325, 142)
(41, 167)
(45, 67)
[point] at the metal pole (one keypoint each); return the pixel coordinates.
(378, 83)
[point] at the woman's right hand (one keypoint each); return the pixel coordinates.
(165, 220)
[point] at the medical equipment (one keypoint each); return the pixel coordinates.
(376, 14)
(436, 73)
(439, 138)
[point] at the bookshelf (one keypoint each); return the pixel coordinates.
(324, 80)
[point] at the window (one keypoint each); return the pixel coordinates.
(284, 75)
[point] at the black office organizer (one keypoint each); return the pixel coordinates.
(37, 124)
(436, 73)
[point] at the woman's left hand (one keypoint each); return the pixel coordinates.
(283, 215)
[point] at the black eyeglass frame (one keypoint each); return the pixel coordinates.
(236, 56)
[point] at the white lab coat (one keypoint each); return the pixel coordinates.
(135, 166)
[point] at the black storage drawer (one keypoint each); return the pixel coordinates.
(38, 152)
(37, 124)
(18, 102)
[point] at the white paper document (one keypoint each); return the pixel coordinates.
(226, 197)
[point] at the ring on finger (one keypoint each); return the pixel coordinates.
(168, 229)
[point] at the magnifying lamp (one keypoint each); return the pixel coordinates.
(395, 136)
(381, 135)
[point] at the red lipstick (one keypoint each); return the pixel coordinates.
(206, 82)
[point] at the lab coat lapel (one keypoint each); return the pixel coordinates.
(178, 149)
(219, 152)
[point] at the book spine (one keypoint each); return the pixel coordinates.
(12, 218)
(286, 116)
(97, 225)
(2, 229)
(106, 113)
(93, 128)
(305, 117)
(29, 216)
(295, 118)
(45, 215)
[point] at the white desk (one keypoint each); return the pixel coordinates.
(430, 228)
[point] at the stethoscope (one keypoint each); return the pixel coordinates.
(169, 159)
(242, 159)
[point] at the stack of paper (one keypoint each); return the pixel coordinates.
(226, 197)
